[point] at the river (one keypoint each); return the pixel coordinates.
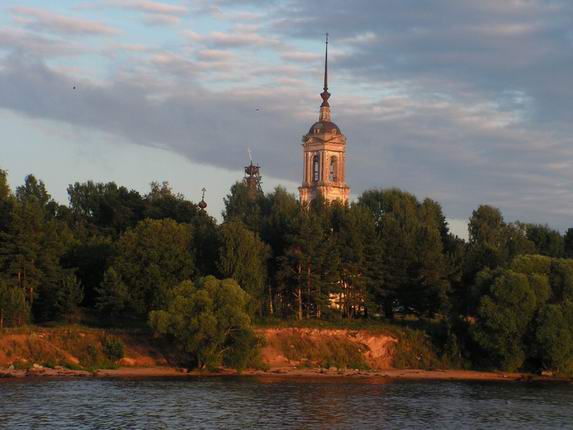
(274, 403)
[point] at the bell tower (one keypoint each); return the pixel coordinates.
(324, 154)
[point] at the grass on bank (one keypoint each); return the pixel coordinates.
(71, 346)
(77, 346)
(416, 347)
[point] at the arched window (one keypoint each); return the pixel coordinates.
(316, 168)
(332, 171)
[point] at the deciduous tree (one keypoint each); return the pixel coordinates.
(209, 323)
(152, 258)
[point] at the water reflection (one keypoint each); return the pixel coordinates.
(281, 402)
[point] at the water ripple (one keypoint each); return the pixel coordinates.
(246, 403)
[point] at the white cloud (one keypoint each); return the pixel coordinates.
(150, 7)
(42, 20)
(466, 102)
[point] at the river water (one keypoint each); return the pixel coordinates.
(275, 403)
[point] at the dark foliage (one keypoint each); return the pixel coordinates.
(502, 299)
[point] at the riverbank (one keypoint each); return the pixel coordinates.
(371, 354)
(85, 348)
(369, 376)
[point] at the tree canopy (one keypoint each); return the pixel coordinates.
(209, 323)
(505, 294)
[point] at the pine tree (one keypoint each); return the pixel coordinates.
(112, 294)
(14, 310)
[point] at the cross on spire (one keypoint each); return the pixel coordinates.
(202, 204)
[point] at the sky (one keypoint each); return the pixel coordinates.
(466, 102)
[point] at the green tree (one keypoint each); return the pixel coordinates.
(414, 235)
(568, 243)
(547, 241)
(429, 294)
(31, 247)
(206, 243)
(503, 317)
(554, 337)
(245, 206)
(242, 256)
(209, 323)
(112, 294)
(63, 301)
(104, 208)
(90, 259)
(517, 242)
(152, 258)
(355, 240)
(308, 271)
(561, 279)
(14, 310)
(537, 268)
(6, 202)
(492, 242)
(162, 203)
(487, 241)
(395, 213)
(280, 218)
(374, 274)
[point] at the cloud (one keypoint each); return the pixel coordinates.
(486, 46)
(151, 7)
(204, 126)
(466, 102)
(234, 39)
(414, 151)
(44, 21)
(301, 56)
(484, 96)
(155, 13)
(38, 45)
(215, 55)
(162, 20)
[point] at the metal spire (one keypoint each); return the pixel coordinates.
(325, 94)
(326, 65)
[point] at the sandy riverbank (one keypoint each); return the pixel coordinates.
(369, 376)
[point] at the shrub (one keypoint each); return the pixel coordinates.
(113, 348)
(210, 323)
(414, 351)
(91, 355)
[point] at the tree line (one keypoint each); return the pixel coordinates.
(502, 298)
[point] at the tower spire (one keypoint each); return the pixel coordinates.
(325, 94)
(324, 153)
(326, 64)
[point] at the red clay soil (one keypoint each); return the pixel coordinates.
(285, 354)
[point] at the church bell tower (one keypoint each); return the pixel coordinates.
(324, 153)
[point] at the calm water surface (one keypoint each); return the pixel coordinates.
(281, 403)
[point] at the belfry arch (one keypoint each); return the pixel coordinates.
(316, 168)
(333, 169)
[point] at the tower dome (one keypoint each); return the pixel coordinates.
(323, 127)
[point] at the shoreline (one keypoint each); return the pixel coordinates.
(370, 376)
